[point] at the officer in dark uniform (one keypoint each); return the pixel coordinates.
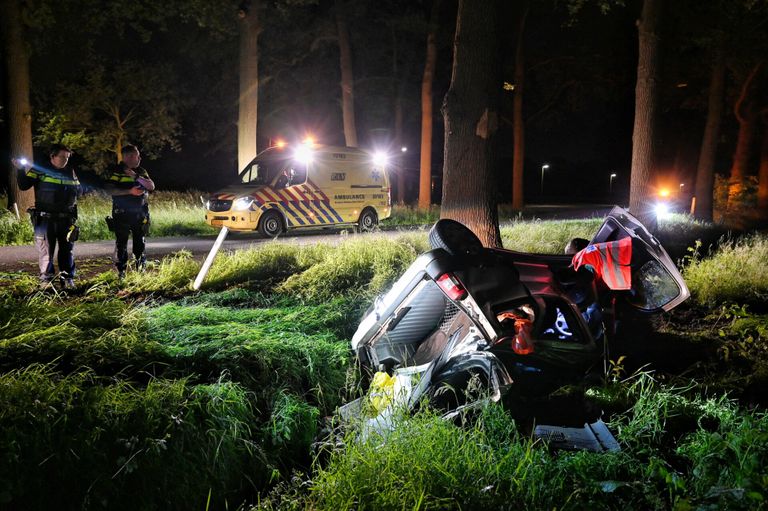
(129, 185)
(55, 212)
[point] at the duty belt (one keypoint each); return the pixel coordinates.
(48, 214)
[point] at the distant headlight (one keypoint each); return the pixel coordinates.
(380, 158)
(242, 203)
(662, 211)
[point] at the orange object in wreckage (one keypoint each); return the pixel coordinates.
(611, 262)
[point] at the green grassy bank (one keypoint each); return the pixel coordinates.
(216, 399)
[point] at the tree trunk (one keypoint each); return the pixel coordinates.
(518, 157)
(643, 142)
(347, 78)
(747, 114)
(17, 89)
(398, 145)
(397, 94)
(705, 171)
(247, 146)
(762, 177)
(471, 121)
(425, 166)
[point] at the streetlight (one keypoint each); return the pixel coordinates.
(610, 182)
(543, 168)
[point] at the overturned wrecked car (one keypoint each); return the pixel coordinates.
(465, 318)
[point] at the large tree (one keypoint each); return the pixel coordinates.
(427, 102)
(471, 121)
(16, 74)
(248, 103)
(705, 171)
(646, 91)
(347, 75)
(518, 124)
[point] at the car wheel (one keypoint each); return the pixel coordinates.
(271, 224)
(454, 237)
(368, 220)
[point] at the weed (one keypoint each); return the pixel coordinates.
(736, 272)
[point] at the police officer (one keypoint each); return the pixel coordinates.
(129, 185)
(55, 212)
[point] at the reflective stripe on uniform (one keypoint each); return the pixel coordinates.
(45, 178)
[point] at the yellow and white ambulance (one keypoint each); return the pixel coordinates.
(306, 185)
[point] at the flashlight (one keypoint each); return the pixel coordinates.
(23, 161)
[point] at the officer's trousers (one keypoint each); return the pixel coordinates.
(50, 231)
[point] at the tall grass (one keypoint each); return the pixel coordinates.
(546, 236)
(75, 441)
(675, 453)
(735, 272)
(173, 214)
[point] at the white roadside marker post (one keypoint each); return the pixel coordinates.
(209, 260)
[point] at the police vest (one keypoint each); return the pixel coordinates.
(55, 190)
(610, 261)
(117, 179)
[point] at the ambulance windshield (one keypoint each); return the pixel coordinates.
(261, 171)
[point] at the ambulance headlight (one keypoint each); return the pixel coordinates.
(303, 154)
(662, 211)
(380, 158)
(242, 203)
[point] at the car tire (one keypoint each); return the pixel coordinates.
(271, 224)
(454, 237)
(368, 220)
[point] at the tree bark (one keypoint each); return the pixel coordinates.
(347, 78)
(247, 146)
(425, 166)
(471, 121)
(17, 89)
(518, 157)
(705, 171)
(397, 94)
(746, 112)
(646, 92)
(398, 145)
(762, 177)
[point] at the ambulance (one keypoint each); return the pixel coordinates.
(304, 186)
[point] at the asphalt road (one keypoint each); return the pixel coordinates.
(15, 257)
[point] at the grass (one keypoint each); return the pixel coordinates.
(427, 463)
(165, 444)
(735, 272)
(146, 388)
(173, 214)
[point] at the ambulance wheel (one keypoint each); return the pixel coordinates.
(271, 224)
(454, 237)
(368, 220)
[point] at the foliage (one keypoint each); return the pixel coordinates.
(173, 214)
(546, 236)
(735, 272)
(357, 267)
(114, 390)
(130, 103)
(166, 444)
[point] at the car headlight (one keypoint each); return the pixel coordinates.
(242, 203)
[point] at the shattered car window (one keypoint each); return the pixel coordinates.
(654, 286)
